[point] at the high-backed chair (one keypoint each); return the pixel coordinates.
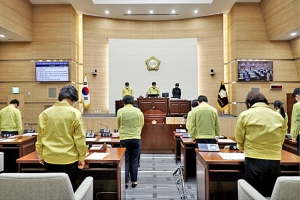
(46, 186)
(286, 188)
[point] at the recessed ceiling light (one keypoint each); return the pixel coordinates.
(195, 11)
(173, 11)
(2, 35)
(151, 11)
(129, 12)
(293, 34)
(107, 12)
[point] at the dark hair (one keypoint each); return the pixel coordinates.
(128, 99)
(278, 104)
(14, 101)
(177, 84)
(184, 116)
(296, 92)
(126, 83)
(153, 83)
(254, 97)
(202, 98)
(194, 103)
(68, 92)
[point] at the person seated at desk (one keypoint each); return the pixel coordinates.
(176, 92)
(153, 89)
(127, 90)
(205, 125)
(260, 133)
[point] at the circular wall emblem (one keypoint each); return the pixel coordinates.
(152, 63)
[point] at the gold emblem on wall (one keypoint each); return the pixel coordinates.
(152, 63)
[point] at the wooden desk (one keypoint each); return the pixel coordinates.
(176, 137)
(115, 142)
(217, 178)
(290, 146)
(15, 149)
(188, 157)
(179, 108)
(111, 180)
(161, 104)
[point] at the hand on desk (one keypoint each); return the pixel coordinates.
(81, 164)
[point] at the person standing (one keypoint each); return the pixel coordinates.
(278, 106)
(295, 122)
(153, 89)
(130, 121)
(176, 92)
(127, 90)
(11, 119)
(260, 133)
(204, 124)
(61, 142)
(189, 115)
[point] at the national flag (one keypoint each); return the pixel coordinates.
(222, 97)
(85, 97)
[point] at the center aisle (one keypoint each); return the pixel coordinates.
(156, 181)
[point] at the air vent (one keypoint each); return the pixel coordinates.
(255, 89)
(52, 93)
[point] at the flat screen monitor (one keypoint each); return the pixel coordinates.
(255, 71)
(165, 94)
(153, 95)
(52, 72)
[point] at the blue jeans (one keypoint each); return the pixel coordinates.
(131, 158)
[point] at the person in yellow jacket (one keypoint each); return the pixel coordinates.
(61, 144)
(295, 121)
(189, 115)
(278, 106)
(11, 119)
(153, 89)
(260, 133)
(127, 90)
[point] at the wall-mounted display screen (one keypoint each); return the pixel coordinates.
(52, 71)
(255, 71)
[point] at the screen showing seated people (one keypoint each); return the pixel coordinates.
(255, 71)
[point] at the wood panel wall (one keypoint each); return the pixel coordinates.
(16, 16)
(280, 16)
(248, 39)
(96, 31)
(54, 37)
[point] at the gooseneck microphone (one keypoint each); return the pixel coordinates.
(104, 130)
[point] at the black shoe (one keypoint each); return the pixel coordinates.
(134, 185)
(126, 186)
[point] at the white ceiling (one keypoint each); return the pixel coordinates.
(184, 9)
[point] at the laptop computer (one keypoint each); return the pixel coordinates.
(208, 147)
(186, 135)
(180, 130)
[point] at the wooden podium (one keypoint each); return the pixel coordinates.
(146, 104)
(156, 116)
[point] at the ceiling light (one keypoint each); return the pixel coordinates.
(292, 34)
(129, 12)
(2, 35)
(195, 11)
(173, 11)
(107, 12)
(151, 11)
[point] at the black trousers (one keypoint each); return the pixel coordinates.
(262, 174)
(70, 169)
(298, 144)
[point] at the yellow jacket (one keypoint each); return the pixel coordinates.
(154, 90)
(127, 91)
(61, 136)
(295, 122)
(10, 119)
(260, 132)
(130, 121)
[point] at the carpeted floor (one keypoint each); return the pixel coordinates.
(156, 180)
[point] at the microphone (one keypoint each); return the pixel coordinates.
(152, 108)
(31, 130)
(104, 130)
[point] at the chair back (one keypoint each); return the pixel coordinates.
(46, 186)
(286, 188)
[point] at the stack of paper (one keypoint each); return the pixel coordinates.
(232, 156)
(90, 139)
(105, 139)
(96, 156)
(226, 141)
(96, 147)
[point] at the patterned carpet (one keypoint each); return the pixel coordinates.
(156, 181)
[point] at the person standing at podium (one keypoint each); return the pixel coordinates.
(61, 144)
(260, 133)
(153, 89)
(10, 119)
(295, 122)
(127, 90)
(176, 92)
(130, 121)
(205, 125)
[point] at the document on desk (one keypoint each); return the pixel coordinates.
(105, 140)
(96, 147)
(90, 139)
(226, 141)
(8, 140)
(232, 156)
(96, 156)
